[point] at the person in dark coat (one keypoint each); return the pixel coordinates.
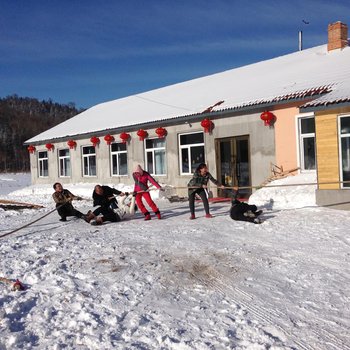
(63, 199)
(241, 211)
(198, 185)
(104, 198)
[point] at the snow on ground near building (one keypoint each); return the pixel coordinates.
(175, 283)
(287, 193)
(10, 182)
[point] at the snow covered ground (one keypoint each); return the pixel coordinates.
(175, 283)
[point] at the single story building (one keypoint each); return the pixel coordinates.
(292, 111)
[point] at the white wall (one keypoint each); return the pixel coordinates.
(262, 148)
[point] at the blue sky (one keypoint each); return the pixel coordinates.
(88, 52)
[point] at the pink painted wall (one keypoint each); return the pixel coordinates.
(286, 138)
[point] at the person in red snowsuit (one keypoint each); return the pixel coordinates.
(141, 178)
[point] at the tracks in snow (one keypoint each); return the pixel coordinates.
(212, 278)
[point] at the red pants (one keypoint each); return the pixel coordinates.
(149, 201)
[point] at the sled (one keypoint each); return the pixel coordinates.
(13, 205)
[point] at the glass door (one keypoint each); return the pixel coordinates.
(233, 159)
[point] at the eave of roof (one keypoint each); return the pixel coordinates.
(214, 113)
(325, 106)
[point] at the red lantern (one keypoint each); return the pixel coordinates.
(267, 117)
(49, 146)
(142, 134)
(109, 139)
(31, 149)
(161, 132)
(72, 144)
(95, 140)
(124, 137)
(207, 124)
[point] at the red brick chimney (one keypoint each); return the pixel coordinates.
(337, 36)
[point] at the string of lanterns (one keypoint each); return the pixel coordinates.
(124, 137)
(268, 118)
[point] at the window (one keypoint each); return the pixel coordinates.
(307, 143)
(89, 161)
(155, 156)
(344, 132)
(191, 152)
(119, 159)
(64, 163)
(43, 165)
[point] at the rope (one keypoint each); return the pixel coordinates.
(186, 187)
(261, 186)
(32, 222)
(298, 184)
(28, 224)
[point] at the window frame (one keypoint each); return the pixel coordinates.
(41, 164)
(118, 153)
(188, 146)
(59, 163)
(152, 151)
(340, 137)
(301, 138)
(89, 155)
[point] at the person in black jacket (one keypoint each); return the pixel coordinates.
(104, 198)
(63, 199)
(198, 185)
(241, 211)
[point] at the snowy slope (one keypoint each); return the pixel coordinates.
(175, 283)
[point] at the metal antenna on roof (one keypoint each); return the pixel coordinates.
(300, 40)
(301, 36)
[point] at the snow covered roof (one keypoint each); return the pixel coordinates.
(301, 74)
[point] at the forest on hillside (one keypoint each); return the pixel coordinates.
(22, 118)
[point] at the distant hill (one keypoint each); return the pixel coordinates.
(22, 118)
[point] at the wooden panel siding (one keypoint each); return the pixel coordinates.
(327, 150)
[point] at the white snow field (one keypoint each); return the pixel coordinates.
(176, 283)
